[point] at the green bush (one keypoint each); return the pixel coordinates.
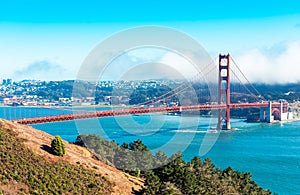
(58, 146)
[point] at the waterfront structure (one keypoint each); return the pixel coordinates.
(276, 111)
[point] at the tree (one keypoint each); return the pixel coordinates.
(161, 159)
(138, 145)
(124, 160)
(79, 140)
(124, 145)
(58, 146)
(142, 155)
(169, 188)
(152, 183)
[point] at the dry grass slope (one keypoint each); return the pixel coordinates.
(78, 160)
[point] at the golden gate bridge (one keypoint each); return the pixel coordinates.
(269, 111)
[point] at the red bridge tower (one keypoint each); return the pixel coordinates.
(224, 92)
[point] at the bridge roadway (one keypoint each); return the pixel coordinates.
(128, 111)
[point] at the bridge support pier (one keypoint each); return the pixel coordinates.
(266, 113)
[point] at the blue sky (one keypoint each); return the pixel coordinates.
(59, 34)
(97, 11)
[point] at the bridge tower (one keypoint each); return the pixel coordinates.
(224, 91)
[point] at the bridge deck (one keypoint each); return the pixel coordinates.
(129, 111)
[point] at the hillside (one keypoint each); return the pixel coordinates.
(171, 175)
(28, 167)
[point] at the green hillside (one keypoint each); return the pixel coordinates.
(23, 172)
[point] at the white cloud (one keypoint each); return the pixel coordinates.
(148, 63)
(279, 64)
(42, 70)
(180, 64)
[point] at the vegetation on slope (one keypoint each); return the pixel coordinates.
(197, 177)
(171, 175)
(35, 175)
(58, 147)
(131, 158)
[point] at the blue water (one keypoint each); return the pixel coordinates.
(271, 152)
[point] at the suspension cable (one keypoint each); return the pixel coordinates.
(157, 99)
(246, 78)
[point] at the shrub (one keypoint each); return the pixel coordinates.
(58, 146)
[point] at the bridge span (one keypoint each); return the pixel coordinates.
(136, 111)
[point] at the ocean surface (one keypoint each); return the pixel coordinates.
(270, 152)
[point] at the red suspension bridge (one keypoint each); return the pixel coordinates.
(268, 111)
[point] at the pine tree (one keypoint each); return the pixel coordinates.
(168, 188)
(161, 159)
(58, 146)
(152, 183)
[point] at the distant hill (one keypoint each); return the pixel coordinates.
(27, 167)
(135, 92)
(287, 91)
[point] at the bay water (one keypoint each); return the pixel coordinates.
(270, 152)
